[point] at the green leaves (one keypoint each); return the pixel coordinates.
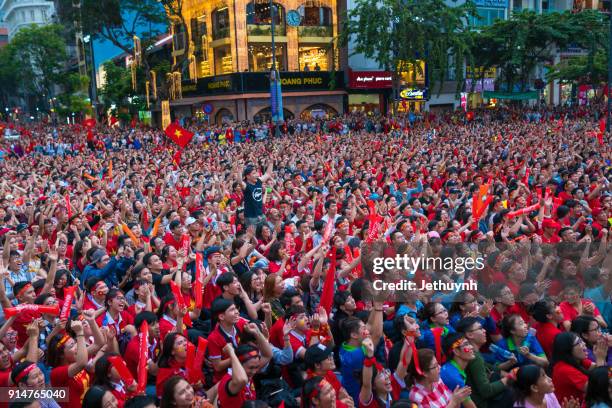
(39, 52)
(393, 32)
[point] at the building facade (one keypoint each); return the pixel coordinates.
(230, 54)
(22, 13)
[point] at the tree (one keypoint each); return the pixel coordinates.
(518, 45)
(74, 99)
(117, 85)
(118, 21)
(399, 33)
(8, 76)
(592, 35)
(40, 53)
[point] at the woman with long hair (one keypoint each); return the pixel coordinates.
(533, 388)
(68, 358)
(570, 366)
(178, 393)
(599, 390)
(171, 360)
(435, 326)
(273, 289)
(100, 397)
(106, 375)
(428, 390)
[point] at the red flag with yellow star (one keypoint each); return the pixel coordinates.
(180, 136)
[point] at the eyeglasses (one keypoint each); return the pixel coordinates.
(476, 329)
(596, 329)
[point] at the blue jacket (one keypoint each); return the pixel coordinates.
(108, 273)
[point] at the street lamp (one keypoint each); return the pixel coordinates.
(94, 86)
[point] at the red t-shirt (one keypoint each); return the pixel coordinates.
(132, 354)
(226, 399)
(569, 381)
(545, 334)
(169, 240)
(217, 340)
(163, 374)
(166, 326)
(569, 313)
(77, 385)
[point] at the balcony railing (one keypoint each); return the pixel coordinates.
(265, 30)
(221, 33)
(315, 31)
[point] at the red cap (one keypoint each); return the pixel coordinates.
(550, 223)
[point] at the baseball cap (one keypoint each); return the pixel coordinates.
(190, 220)
(316, 353)
(550, 223)
(97, 256)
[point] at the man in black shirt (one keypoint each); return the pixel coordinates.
(253, 194)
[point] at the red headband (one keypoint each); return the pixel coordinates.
(63, 340)
(248, 356)
(24, 373)
(26, 287)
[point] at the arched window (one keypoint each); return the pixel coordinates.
(319, 110)
(224, 116)
(221, 23)
(313, 15)
(259, 13)
(265, 115)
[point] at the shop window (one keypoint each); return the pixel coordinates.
(314, 58)
(223, 60)
(221, 23)
(260, 57)
(319, 111)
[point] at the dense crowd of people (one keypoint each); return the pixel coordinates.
(230, 273)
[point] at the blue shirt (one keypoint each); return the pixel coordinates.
(530, 341)
(601, 299)
(351, 359)
(452, 375)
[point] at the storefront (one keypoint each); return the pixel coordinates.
(245, 96)
(369, 90)
(413, 99)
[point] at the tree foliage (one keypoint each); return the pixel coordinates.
(398, 33)
(39, 55)
(118, 21)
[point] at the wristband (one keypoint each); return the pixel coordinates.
(369, 361)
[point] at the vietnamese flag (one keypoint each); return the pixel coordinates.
(180, 136)
(113, 121)
(602, 125)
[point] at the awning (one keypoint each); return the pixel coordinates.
(514, 96)
(200, 99)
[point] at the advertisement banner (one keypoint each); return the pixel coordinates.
(370, 79)
(165, 107)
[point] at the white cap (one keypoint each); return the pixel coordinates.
(189, 221)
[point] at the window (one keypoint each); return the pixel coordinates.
(488, 16)
(23, 15)
(316, 16)
(260, 57)
(259, 13)
(221, 23)
(32, 15)
(198, 35)
(314, 58)
(223, 60)
(259, 19)
(179, 37)
(44, 15)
